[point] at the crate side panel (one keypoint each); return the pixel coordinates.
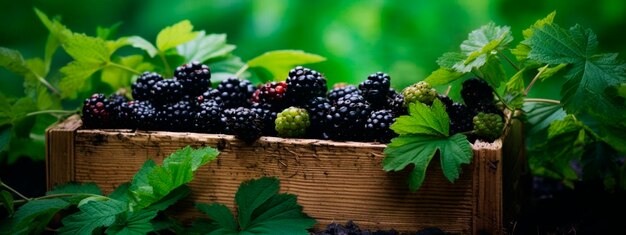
(333, 181)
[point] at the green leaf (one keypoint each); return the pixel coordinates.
(539, 116)
(41, 210)
(516, 83)
(152, 183)
(221, 217)
(589, 76)
(52, 44)
(75, 75)
(442, 76)
(7, 201)
(252, 194)
(5, 138)
(424, 120)
(87, 49)
(279, 62)
(419, 151)
(493, 72)
(450, 59)
(228, 67)
(523, 49)
(175, 35)
(13, 61)
(550, 71)
(121, 193)
(92, 215)
(133, 223)
(141, 43)
(119, 78)
(205, 47)
(105, 33)
(72, 188)
(171, 198)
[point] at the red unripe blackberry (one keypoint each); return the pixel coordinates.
(96, 112)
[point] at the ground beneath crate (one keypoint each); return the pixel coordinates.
(351, 228)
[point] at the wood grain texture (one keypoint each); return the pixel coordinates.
(60, 151)
(334, 181)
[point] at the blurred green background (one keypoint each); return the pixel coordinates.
(402, 38)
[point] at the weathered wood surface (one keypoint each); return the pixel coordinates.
(334, 181)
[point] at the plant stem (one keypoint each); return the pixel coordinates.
(55, 196)
(504, 103)
(549, 101)
(48, 85)
(14, 191)
(124, 68)
(508, 60)
(448, 90)
(167, 66)
(51, 112)
(241, 70)
(541, 70)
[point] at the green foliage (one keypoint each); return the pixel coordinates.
(7, 201)
(175, 35)
(261, 210)
(278, 63)
(423, 133)
(125, 211)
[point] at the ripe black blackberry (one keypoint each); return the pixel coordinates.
(338, 92)
(271, 92)
(207, 117)
(395, 103)
(166, 91)
(195, 77)
(375, 88)
(96, 112)
(346, 120)
(141, 87)
(178, 116)
(377, 126)
(143, 115)
(235, 92)
(318, 108)
(118, 118)
(460, 118)
(304, 84)
(242, 122)
(487, 107)
(210, 94)
(475, 91)
(447, 102)
(267, 113)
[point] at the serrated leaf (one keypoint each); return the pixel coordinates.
(487, 39)
(13, 61)
(493, 72)
(449, 59)
(516, 83)
(280, 214)
(107, 32)
(75, 75)
(278, 63)
(221, 217)
(92, 215)
(251, 195)
(614, 134)
(442, 76)
(423, 120)
(419, 151)
(548, 72)
(7, 201)
(121, 193)
(141, 43)
(75, 188)
(41, 210)
(175, 35)
(133, 223)
(87, 49)
(119, 78)
(539, 116)
(522, 49)
(205, 47)
(171, 198)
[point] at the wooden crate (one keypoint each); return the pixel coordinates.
(334, 181)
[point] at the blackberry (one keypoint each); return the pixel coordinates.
(166, 91)
(96, 112)
(242, 122)
(272, 92)
(460, 119)
(267, 113)
(143, 115)
(235, 92)
(487, 107)
(143, 85)
(207, 117)
(292, 122)
(395, 103)
(419, 92)
(488, 126)
(195, 77)
(377, 126)
(178, 116)
(447, 102)
(475, 91)
(318, 108)
(338, 92)
(346, 120)
(119, 119)
(210, 94)
(304, 84)
(375, 88)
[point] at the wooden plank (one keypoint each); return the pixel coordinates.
(60, 151)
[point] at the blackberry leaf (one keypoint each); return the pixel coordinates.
(589, 75)
(419, 151)
(92, 215)
(493, 72)
(522, 49)
(75, 75)
(221, 217)
(442, 76)
(423, 120)
(277, 62)
(133, 223)
(205, 47)
(23, 221)
(141, 43)
(13, 61)
(175, 35)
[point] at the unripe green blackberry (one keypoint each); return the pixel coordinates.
(292, 122)
(488, 126)
(419, 92)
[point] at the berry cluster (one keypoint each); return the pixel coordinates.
(301, 106)
(478, 116)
